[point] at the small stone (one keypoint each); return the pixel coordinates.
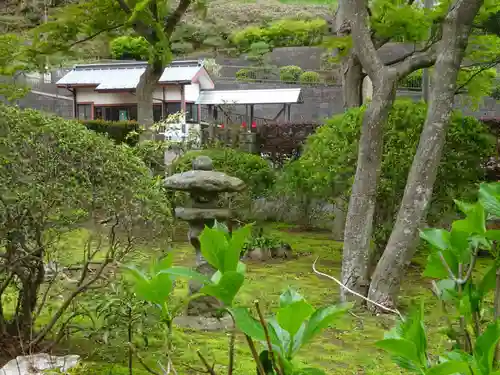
(202, 163)
(204, 181)
(39, 364)
(190, 214)
(258, 254)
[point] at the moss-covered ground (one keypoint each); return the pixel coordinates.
(346, 348)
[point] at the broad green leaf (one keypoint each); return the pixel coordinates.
(489, 197)
(493, 234)
(488, 282)
(160, 288)
(437, 238)
(141, 283)
(447, 289)
(216, 277)
(400, 348)
(484, 351)
(449, 368)
(475, 222)
(435, 268)
(213, 247)
(413, 330)
(187, 272)
(289, 296)
(322, 318)
(163, 264)
(247, 324)
(233, 253)
(459, 243)
(227, 287)
(241, 268)
(280, 338)
(291, 317)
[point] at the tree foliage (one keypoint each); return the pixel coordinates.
(57, 176)
(328, 163)
(129, 48)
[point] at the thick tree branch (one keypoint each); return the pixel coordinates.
(362, 39)
(124, 6)
(175, 17)
(418, 60)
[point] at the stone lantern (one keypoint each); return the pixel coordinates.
(204, 186)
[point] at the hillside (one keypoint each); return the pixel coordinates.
(19, 15)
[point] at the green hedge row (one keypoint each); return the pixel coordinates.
(119, 131)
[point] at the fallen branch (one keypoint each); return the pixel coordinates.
(394, 311)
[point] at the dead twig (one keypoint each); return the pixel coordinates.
(205, 363)
(394, 311)
(255, 355)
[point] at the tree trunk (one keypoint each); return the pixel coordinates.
(400, 249)
(145, 91)
(352, 82)
(358, 229)
(339, 212)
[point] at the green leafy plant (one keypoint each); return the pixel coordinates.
(295, 324)
(474, 330)
(290, 73)
(310, 78)
(119, 131)
(246, 75)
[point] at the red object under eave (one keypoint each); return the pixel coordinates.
(244, 124)
(254, 124)
(222, 126)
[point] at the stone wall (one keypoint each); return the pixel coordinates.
(46, 103)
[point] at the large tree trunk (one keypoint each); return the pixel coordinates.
(352, 85)
(400, 249)
(145, 91)
(358, 229)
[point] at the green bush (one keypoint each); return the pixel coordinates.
(284, 33)
(246, 75)
(290, 73)
(412, 80)
(309, 78)
(119, 131)
(129, 48)
(328, 163)
(252, 169)
(152, 154)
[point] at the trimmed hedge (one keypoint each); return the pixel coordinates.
(119, 131)
(310, 78)
(252, 169)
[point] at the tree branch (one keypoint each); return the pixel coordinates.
(124, 6)
(474, 75)
(90, 37)
(423, 59)
(175, 17)
(362, 40)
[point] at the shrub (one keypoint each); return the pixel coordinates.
(57, 176)
(309, 78)
(152, 153)
(290, 74)
(412, 80)
(284, 33)
(119, 131)
(250, 168)
(246, 75)
(328, 162)
(129, 48)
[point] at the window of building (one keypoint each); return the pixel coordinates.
(191, 113)
(157, 115)
(116, 113)
(84, 111)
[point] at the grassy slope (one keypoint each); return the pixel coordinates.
(346, 349)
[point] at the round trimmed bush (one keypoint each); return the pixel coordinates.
(328, 163)
(252, 169)
(290, 73)
(310, 78)
(246, 75)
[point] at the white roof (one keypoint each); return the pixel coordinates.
(119, 76)
(126, 75)
(267, 96)
(179, 74)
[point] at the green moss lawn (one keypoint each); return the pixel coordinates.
(346, 348)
